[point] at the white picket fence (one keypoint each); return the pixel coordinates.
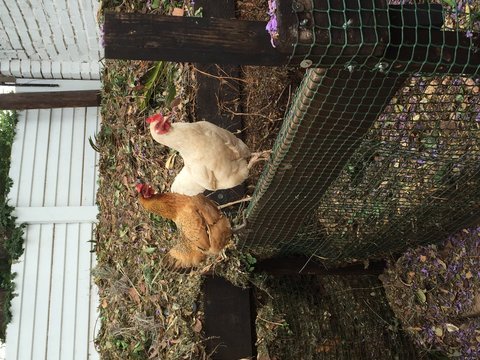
(54, 175)
(55, 180)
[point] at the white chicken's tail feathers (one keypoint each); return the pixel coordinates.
(183, 184)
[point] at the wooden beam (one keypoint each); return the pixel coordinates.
(432, 50)
(414, 15)
(228, 319)
(300, 265)
(49, 100)
(217, 85)
(188, 39)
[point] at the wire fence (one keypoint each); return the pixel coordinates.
(334, 317)
(370, 161)
(396, 36)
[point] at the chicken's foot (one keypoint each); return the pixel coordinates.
(258, 156)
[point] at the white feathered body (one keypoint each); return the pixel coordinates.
(213, 157)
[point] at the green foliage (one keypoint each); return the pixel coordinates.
(249, 261)
(159, 81)
(11, 234)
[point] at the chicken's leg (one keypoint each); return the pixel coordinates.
(258, 156)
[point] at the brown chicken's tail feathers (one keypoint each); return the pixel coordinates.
(181, 257)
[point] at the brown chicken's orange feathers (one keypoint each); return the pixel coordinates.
(204, 230)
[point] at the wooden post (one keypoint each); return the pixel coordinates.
(217, 85)
(228, 313)
(228, 320)
(49, 100)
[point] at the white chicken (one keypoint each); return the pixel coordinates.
(213, 157)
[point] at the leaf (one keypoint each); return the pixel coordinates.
(155, 4)
(170, 163)
(197, 327)
(134, 295)
(442, 263)
(438, 331)
(451, 3)
(93, 145)
(451, 327)
(421, 296)
(149, 250)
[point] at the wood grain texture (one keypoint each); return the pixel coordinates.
(188, 39)
(50, 100)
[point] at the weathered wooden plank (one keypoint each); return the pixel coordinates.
(48, 100)
(426, 15)
(299, 265)
(432, 50)
(188, 39)
(227, 319)
(217, 85)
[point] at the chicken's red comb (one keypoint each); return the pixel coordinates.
(139, 187)
(154, 118)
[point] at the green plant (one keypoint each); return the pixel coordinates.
(249, 261)
(11, 234)
(159, 81)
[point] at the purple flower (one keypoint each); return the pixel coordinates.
(421, 85)
(102, 35)
(272, 25)
(272, 7)
(272, 29)
(469, 34)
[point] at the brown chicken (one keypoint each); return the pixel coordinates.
(204, 230)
